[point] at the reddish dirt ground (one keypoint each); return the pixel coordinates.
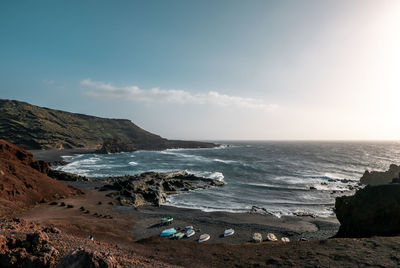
(116, 234)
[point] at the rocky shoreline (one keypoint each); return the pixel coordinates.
(89, 228)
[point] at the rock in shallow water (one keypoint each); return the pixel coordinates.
(152, 188)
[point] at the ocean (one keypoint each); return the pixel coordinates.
(275, 176)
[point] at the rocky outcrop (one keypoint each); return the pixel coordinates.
(115, 146)
(34, 251)
(83, 258)
(32, 127)
(379, 178)
(152, 188)
(23, 181)
(27, 244)
(65, 176)
(372, 211)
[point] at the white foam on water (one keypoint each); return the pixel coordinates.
(208, 174)
(187, 156)
(266, 185)
(133, 163)
(225, 161)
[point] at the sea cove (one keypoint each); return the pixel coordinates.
(281, 178)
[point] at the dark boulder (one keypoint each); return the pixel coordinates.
(65, 176)
(372, 211)
(82, 258)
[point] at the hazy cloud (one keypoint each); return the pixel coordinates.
(156, 95)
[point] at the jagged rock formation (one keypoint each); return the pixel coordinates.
(152, 188)
(372, 211)
(32, 127)
(379, 178)
(23, 181)
(34, 251)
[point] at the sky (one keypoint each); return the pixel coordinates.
(211, 70)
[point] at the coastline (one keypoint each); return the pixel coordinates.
(53, 155)
(294, 227)
(147, 219)
(132, 237)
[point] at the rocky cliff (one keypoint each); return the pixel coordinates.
(32, 127)
(373, 210)
(23, 181)
(380, 178)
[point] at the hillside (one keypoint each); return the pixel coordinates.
(23, 181)
(33, 127)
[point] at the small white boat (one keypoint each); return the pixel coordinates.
(271, 237)
(178, 236)
(285, 239)
(190, 233)
(257, 238)
(229, 232)
(204, 238)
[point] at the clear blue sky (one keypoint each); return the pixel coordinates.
(210, 69)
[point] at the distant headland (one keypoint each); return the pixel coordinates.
(34, 128)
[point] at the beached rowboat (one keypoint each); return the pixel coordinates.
(285, 239)
(188, 228)
(166, 220)
(204, 238)
(190, 233)
(229, 232)
(271, 237)
(168, 232)
(178, 236)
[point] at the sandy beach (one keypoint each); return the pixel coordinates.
(147, 219)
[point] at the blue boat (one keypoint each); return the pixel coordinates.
(187, 228)
(168, 232)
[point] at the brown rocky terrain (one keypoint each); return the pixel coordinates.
(23, 181)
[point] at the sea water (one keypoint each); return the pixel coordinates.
(275, 176)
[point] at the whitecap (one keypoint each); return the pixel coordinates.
(225, 161)
(133, 163)
(208, 174)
